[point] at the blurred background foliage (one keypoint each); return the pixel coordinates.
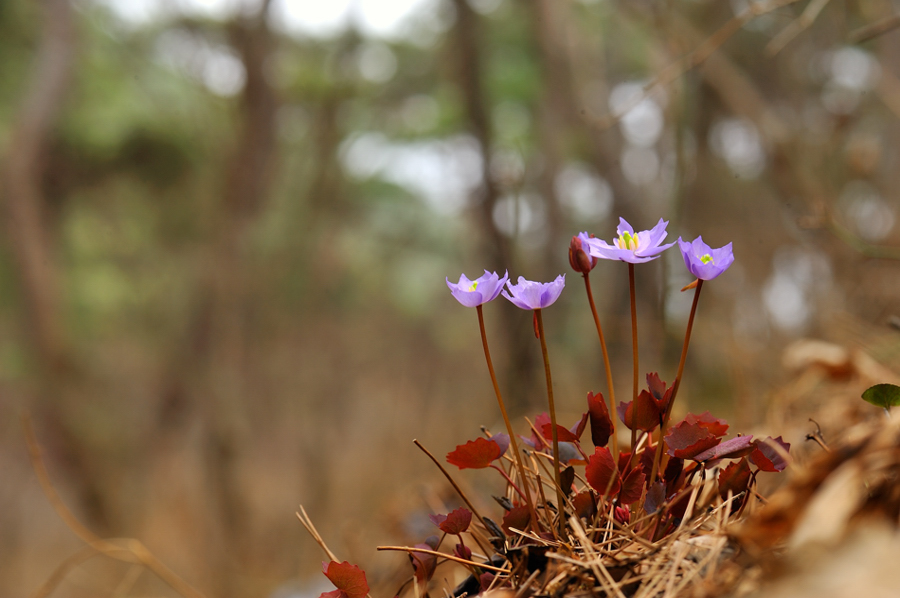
(227, 226)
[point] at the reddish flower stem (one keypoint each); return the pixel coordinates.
(657, 458)
(609, 380)
(559, 495)
(509, 481)
(517, 456)
(634, 344)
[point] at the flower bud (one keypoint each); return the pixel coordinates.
(578, 258)
(622, 515)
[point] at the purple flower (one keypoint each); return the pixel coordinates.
(631, 247)
(472, 293)
(704, 262)
(535, 295)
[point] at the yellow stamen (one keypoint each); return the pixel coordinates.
(474, 285)
(706, 259)
(627, 241)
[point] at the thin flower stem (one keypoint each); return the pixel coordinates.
(609, 380)
(634, 344)
(657, 459)
(517, 456)
(559, 494)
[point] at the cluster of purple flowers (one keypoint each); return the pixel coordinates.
(701, 260)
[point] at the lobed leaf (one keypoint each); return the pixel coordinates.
(767, 457)
(455, 522)
(642, 414)
(686, 440)
(347, 578)
(717, 427)
(661, 394)
(734, 478)
(475, 454)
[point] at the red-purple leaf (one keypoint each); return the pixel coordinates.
(602, 474)
(738, 446)
(562, 434)
(501, 440)
(734, 478)
(601, 422)
(580, 425)
(717, 427)
(624, 460)
(517, 517)
(485, 580)
(456, 521)
(643, 414)
(349, 579)
(537, 441)
(656, 496)
(661, 394)
(688, 439)
(475, 454)
(767, 457)
(633, 486)
(673, 470)
(566, 479)
(333, 594)
(463, 551)
(584, 504)
(423, 563)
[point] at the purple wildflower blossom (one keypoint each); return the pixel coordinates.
(473, 293)
(704, 262)
(631, 247)
(535, 295)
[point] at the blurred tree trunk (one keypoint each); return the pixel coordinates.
(59, 402)
(498, 250)
(209, 378)
(552, 112)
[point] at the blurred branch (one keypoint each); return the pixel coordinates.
(132, 552)
(857, 244)
(873, 30)
(695, 58)
(889, 90)
(796, 26)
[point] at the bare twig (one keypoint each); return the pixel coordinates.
(308, 524)
(443, 555)
(693, 59)
(132, 552)
(798, 25)
(873, 30)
